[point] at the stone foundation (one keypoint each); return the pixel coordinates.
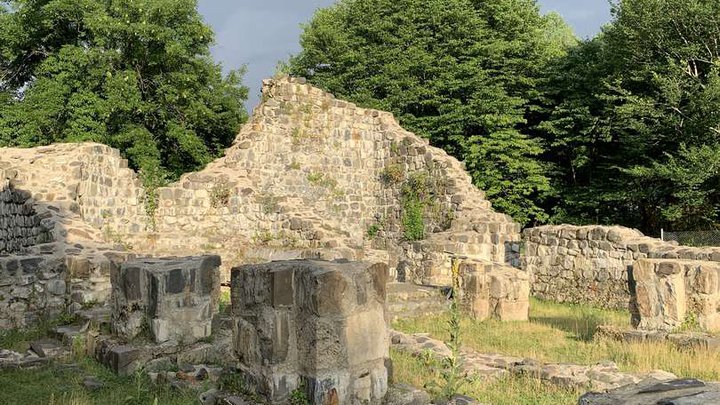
(312, 325)
(495, 291)
(172, 298)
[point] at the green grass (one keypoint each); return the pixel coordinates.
(19, 339)
(511, 390)
(564, 334)
(60, 384)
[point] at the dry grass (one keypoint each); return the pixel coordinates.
(564, 334)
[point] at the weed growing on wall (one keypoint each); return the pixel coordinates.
(152, 179)
(421, 208)
(220, 195)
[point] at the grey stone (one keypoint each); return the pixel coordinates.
(401, 394)
(652, 391)
(92, 384)
(47, 347)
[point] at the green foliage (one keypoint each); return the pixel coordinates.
(462, 73)
(60, 384)
(374, 229)
(321, 180)
(413, 222)
(421, 209)
(452, 376)
(299, 397)
(634, 121)
(392, 174)
(135, 75)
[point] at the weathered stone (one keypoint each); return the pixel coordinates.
(328, 331)
(667, 290)
(166, 295)
(652, 391)
(47, 347)
(490, 290)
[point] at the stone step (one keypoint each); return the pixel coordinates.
(96, 316)
(68, 333)
(405, 300)
(397, 292)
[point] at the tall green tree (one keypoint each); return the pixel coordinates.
(459, 72)
(635, 109)
(133, 74)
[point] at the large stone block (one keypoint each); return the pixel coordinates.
(174, 298)
(312, 324)
(672, 291)
(493, 290)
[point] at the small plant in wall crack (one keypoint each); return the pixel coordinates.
(298, 396)
(220, 195)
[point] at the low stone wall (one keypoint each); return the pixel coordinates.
(318, 326)
(594, 264)
(583, 264)
(52, 279)
(31, 287)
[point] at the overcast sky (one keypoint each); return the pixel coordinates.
(261, 33)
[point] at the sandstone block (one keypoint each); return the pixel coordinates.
(319, 325)
(492, 290)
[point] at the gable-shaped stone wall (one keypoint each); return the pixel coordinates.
(308, 176)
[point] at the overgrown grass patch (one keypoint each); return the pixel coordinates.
(564, 334)
(62, 385)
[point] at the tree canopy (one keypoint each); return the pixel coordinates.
(462, 73)
(635, 126)
(622, 128)
(134, 74)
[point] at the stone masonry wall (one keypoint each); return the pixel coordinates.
(308, 176)
(594, 264)
(89, 180)
(313, 172)
(20, 224)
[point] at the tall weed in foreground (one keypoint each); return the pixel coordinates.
(452, 378)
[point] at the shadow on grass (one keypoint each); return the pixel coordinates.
(581, 327)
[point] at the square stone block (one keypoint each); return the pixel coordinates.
(313, 324)
(494, 290)
(174, 297)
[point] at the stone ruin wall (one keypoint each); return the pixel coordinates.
(58, 206)
(308, 176)
(594, 264)
(20, 224)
